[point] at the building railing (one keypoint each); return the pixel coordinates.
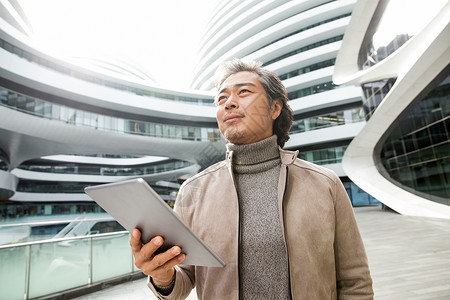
(57, 112)
(327, 120)
(58, 167)
(35, 269)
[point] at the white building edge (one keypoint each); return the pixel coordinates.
(414, 65)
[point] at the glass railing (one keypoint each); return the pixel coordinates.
(36, 269)
(70, 187)
(57, 167)
(307, 28)
(328, 120)
(69, 115)
(307, 69)
(305, 48)
(324, 156)
(32, 211)
(33, 227)
(311, 90)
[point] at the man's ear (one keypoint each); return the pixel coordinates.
(275, 111)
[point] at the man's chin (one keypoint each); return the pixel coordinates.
(234, 137)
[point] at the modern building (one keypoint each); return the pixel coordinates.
(402, 154)
(298, 40)
(65, 126)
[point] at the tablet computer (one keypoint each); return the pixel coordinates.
(134, 204)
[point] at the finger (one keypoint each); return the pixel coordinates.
(175, 261)
(168, 259)
(149, 249)
(144, 256)
(135, 241)
(163, 275)
(161, 266)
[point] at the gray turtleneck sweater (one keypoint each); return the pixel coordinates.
(263, 269)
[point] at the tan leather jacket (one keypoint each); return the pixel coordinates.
(327, 259)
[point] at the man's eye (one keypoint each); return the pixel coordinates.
(243, 91)
(221, 98)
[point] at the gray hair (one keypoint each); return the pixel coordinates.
(273, 86)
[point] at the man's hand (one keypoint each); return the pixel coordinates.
(161, 266)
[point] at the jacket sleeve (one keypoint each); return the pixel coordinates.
(185, 275)
(352, 269)
(183, 284)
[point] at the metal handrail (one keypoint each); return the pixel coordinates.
(102, 217)
(92, 236)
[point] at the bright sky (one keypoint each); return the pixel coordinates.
(160, 37)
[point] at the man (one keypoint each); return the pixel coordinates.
(284, 227)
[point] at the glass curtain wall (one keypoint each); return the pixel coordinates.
(416, 154)
(374, 93)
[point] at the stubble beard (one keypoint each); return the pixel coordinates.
(234, 135)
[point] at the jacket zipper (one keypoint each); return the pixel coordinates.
(239, 231)
(239, 249)
(285, 238)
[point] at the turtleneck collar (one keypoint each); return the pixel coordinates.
(258, 156)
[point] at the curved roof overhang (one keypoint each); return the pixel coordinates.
(414, 65)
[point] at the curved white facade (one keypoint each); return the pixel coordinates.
(414, 66)
(299, 40)
(269, 22)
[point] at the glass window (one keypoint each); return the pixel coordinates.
(423, 138)
(374, 93)
(421, 142)
(398, 147)
(409, 143)
(442, 151)
(438, 133)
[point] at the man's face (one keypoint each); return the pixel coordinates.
(243, 112)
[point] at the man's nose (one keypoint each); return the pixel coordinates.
(232, 102)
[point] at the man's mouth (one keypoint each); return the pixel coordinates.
(232, 117)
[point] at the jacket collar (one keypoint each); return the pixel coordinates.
(288, 157)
